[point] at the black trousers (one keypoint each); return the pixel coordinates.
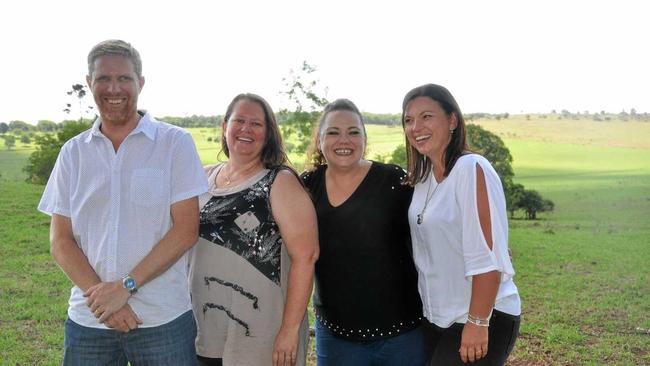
(206, 361)
(443, 343)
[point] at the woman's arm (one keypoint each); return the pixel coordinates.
(296, 218)
(474, 342)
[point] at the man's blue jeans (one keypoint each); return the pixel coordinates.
(167, 344)
(403, 350)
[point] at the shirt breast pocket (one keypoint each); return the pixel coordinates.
(147, 187)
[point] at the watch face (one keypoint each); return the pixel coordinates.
(129, 283)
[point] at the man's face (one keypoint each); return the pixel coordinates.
(115, 87)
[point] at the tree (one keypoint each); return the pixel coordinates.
(398, 156)
(41, 162)
(532, 203)
(19, 126)
(3, 127)
(46, 126)
(25, 139)
(492, 148)
(10, 141)
(304, 94)
(79, 91)
(193, 121)
(514, 193)
(382, 119)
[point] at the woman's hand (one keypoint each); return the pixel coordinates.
(285, 348)
(474, 343)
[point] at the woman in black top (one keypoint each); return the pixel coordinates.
(368, 309)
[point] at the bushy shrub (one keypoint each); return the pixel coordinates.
(41, 162)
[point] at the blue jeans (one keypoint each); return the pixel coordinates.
(167, 344)
(405, 349)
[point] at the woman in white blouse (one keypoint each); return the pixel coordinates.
(459, 230)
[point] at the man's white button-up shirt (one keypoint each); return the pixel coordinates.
(119, 205)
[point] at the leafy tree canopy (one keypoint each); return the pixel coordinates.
(304, 95)
(20, 126)
(10, 141)
(41, 162)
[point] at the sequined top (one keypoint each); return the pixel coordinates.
(366, 283)
(239, 274)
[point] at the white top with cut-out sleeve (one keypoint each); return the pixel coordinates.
(449, 246)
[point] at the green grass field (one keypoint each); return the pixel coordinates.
(582, 270)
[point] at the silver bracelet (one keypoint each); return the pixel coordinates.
(479, 321)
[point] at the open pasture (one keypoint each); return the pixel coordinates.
(582, 269)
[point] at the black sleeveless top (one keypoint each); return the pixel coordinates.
(366, 283)
(243, 223)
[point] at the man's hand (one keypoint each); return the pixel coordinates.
(106, 298)
(123, 320)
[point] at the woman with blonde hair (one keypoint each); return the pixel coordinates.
(368, 311)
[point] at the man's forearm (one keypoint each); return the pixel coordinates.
(68, 255)
(106, 298)
(180, 238)
(74, 264)
(163, 255)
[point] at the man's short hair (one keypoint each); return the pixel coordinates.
(115, 47)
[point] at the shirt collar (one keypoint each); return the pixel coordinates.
(146, 125)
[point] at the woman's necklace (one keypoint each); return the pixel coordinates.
(426, 202)
(228, 178)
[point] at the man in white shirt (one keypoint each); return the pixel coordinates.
(123, 200)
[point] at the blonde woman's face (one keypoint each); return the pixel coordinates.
(342, 140)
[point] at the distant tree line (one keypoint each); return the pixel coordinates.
(623, 115)
(193, 121)
(382, 119)
(19, 128)
(301, 89)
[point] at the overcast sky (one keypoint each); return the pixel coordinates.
(494, 56)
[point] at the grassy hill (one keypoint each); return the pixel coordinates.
(582, 270)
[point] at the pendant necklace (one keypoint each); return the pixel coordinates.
(426, 202)
(235, 176)
(226, 177)
(228, 181)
